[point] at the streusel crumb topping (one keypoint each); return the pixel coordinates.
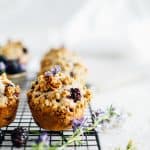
(13, 50)
(9, 92)
(59, 91)
(69, 62)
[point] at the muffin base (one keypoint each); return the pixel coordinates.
(53, 120)
(8, 114)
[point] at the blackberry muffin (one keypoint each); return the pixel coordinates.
(69, 62)
(9, 99)
(55, 99)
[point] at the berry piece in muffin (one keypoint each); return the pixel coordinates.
(75, 94)
(13, 67)
(9, 99)
(56, 99)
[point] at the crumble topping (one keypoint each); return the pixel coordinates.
(8, 91)
(13, 50)
(69, 62)
(58, 91)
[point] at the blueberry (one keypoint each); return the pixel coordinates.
(19, 136)
(13, 66)
(75, 94)
(3, 59)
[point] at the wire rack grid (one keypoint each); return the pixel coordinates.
(90, 141)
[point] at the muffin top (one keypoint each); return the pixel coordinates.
(9, 92)
(58, 90)
(13, 50)
(59, 53)
(54, 56)
(70, 63)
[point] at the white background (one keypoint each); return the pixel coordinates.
(114, 39)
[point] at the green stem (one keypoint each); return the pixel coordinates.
(80, 131)
(77, 134)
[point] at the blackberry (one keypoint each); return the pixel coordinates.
(19, 136)
(75, 94)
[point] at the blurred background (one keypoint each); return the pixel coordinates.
(120, 27)
(113, 37)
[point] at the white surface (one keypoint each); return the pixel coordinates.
(126, 85)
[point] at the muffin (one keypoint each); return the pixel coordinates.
(9, 99)
(14, 50)
(69, 62)
(14, 56)
(56, 99)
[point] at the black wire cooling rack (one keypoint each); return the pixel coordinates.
(90, 141)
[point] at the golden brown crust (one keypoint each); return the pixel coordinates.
(51, 103)
(53, 119)
(9, 99)
(8, 113)
(14, 50)
(67, 60)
